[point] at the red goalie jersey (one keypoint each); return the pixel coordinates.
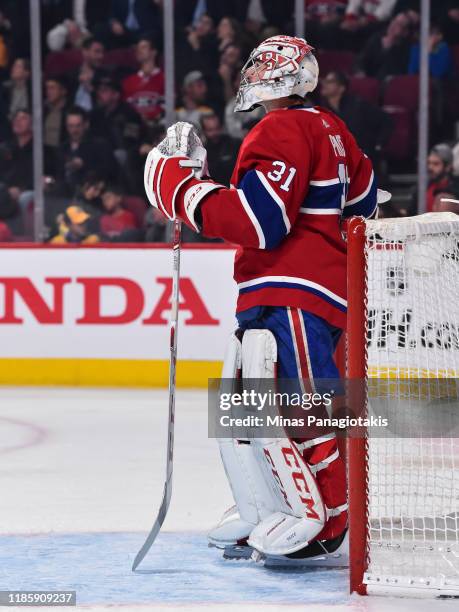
(298, 173)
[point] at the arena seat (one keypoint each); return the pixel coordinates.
(367, 88)
(121, 58)
(402, 90)
(138, 206)
(62, 62)
(401, 143)
(342, 61)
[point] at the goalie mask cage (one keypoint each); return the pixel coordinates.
(403, 325)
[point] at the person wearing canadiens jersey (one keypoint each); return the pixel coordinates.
(298, 174)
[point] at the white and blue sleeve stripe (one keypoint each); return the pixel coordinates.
(324, 198)
(265, 209)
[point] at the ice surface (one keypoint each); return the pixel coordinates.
(81, 477)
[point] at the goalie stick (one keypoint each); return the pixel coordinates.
(172, 366)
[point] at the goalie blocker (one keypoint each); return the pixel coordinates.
(279, 506)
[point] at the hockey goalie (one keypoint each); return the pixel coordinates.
(299, 173)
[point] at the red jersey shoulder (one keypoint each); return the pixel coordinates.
(277, 137)
(282, 131)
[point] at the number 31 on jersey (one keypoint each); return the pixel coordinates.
(278, 172)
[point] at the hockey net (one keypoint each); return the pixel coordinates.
(403, 339)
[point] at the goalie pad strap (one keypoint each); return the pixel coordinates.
(316, 467)
(336, 511)
(301, 446)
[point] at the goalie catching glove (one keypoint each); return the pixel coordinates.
(173, 173)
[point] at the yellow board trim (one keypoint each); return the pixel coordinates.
(106, 372)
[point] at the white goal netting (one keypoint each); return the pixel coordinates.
(412, 330)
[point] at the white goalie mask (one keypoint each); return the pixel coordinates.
(280, 66)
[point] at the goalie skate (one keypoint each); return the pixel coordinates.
(231, 530)
(320, 554)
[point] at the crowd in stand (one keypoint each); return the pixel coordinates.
(103, 94)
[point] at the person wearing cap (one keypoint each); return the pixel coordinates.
(194, 95)
(115, 120)
(74, 227)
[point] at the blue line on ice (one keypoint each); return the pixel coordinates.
(179, 569)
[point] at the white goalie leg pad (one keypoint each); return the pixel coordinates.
(300, 514)
(254, 500)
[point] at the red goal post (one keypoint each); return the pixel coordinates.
(403, 327)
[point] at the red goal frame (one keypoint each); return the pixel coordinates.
(357, 370)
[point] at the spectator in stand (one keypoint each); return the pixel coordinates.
(230, 65)
(370, 125)
(74, 227)
(229, 31)
(116, 120)
(16, 91)
(222, 150)
(72, 20)
(70, 33)
(259, 13)
(10, 218)
(5, 233)
(89, 197)
(441, 69)
(93, 57)
(361, 13)
(194, 97)
(362, 18)
(440, 59)
(84, 96)
(93, 51)
(82, 153)
(127, 19)
(16, 161)
(323, 18)
(5, 35)
(188, 12)
(156, 226)
(387, 53)
(450, 20)
(144, 91)
(443, 12)
(55, 109)
(16, 16)
(439, 166)
(117, 223)
(198, 50)
(455, 166)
